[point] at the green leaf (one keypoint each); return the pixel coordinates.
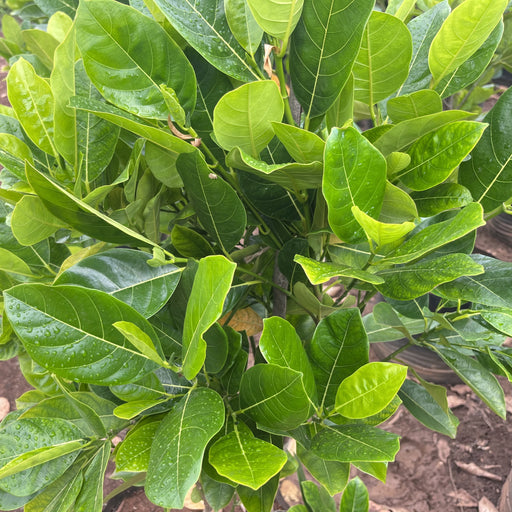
(351, 162)
(68, 330)
(38, 434)
(126, 275)
(59, 25)
(446, 196)
(347, 443)
(369, 389)
(11, 502)
(436, 155)
(277, 19)
(382, 64)
(261, 500)
(217, 494)
(50, 7)
(355, 498)
(243, 117)
(132, 409)
(204, 26)
(243, 25)
(332, 475)
(338, 348)
(397, 205)
(245, 459)
(189, 243)
(211, 285)
(126, 66)
(321, 57)
(439, 234)
(488, 174)
(41, 44)
(403, 134)
(416, 104)
(426, 409)
(317, 497)
(31, 222)
(280, 345)
(376, 469)
(216, 204)
(275, 396)
(13, 264)
(217, 349)
(463, 32)
(179, 444)
(476, 376)
(13, 154)
(320, 272)
(303, 146)
(32, 100)
(414, 280)
(292, 176)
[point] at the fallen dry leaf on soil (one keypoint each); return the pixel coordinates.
(375, 507)
(461, 389)
(473, 469)
(464, 499)
(4, 407)
(443, 450)
(290, 492)
(455, 401)
(484, 505)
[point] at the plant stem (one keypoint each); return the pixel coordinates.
(139, 477)
(397, 351)
(284, 92)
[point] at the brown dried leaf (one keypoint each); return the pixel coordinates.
(443, 450)
(484, 505)
(267, 63)
(4, 407)
(464, 499)
(245, 320)
(473, 469)
(455, 401)
(461, 389)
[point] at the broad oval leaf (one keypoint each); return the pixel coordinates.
(126, 275)
(382, 64)
(355, 497)
(488, 173)
(277, 19)
(128, 56)
(262, 499)
(437, 154)
(317, 497)
(243, 117)
(445, 196)
(245, 459)
(179, 444)
(274, 396)
(324, 47)
(243, 25)
(68, 330)
(303, 146)
(203, 24)
(354, 175)
(416, 104)
(463, 32)
(369, 389)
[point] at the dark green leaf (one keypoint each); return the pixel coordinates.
(243, 25)
(317, 497)
(217, 494)
(189, 243)
(216, 349)
(262, 499)
(446, 196)
(355, 498)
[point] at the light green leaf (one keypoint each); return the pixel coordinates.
(243, 25)
(203, 24)
(13, 264)
(132, 409)
(243, 117)
(416, 104)
(355, 498)
(68, 329)
(338, 348)
(59, 25)
(463, 32)
(126, 65)
(317, 497)
(277, 19)
(347, 443)
(13, 154)
(382, 64)
(216, 204)
(437, 154)
(303, 146)
(245, 459)
(42, 44)
(211, 285)
(446, 196)
(376, 469)
(321, 57)
(397, 205)
(414, 280)
(369, 389)
(351, 163)
(179, 444)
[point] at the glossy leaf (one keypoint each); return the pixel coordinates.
(382, 64)
(464, 31)
(126, 275)
(217, 494)
(317, 497)
(416, 104)
(42, 44)
(68, 329)
(50, 7)
(369, 389)
(488, 173)
(262, 499)
(243, 117)
(217, 205)
(245, 459)
(426, 409)
(351, 164)
(277, 19)
(126, 65)
(436, 155)
(338, 348)
(132, 409)
(243, 25)
(179, 444)
(355, 497)
(414, 280)
(303, 146)
(204, 26)
(446, 196)
(211, 285)
(347, 443)
(189, 243)
(322, 56)
(397, 205)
